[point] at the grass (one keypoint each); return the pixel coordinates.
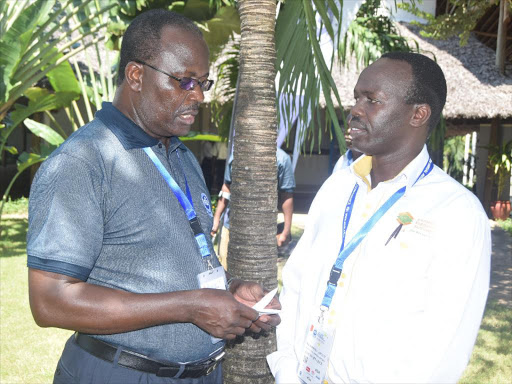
(505, 224)
(491, 361)
(29, 354)
(19, 206)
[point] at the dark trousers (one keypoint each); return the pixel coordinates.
(77, 366)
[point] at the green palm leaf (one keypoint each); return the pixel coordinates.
(301, 66)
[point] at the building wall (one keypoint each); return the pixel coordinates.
(428, 6)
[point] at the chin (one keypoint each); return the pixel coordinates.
(180, 131)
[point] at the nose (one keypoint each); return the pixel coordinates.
(356, 110)
(196, 94)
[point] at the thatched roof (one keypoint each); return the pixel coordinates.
(476, 90)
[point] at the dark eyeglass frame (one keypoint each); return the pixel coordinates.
(186, 83)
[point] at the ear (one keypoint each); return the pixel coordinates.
(421, 115)
(133, 74)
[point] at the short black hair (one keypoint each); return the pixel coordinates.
(428, 84)
(141, 41)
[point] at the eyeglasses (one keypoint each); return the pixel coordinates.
(186, 83)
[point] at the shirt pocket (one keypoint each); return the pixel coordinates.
(404, 263)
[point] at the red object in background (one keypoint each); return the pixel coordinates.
(500, 210)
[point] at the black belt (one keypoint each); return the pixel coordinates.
(140, 362)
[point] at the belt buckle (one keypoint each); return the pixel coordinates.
(211, 368)
(217, 360)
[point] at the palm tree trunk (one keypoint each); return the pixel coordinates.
(252, 252)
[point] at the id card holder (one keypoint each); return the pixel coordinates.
(317, 349)
(215, 279)
(212, 278)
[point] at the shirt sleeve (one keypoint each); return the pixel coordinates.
(284, 362)
(227, 170)
(460, 288)
(65, 217)
(285, 176)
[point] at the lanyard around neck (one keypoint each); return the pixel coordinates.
(359, 236)
(185, 201)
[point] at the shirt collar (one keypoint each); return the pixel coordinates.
(127, 132)
(363, 165)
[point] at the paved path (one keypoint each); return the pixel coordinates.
(501, 267)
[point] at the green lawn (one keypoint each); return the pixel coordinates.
(506, 225)
(29, 354)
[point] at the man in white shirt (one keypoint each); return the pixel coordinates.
(388, 284)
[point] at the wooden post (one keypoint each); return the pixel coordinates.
(489, 174)
(502, 36)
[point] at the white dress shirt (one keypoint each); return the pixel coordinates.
(344, 161)
(406, 312)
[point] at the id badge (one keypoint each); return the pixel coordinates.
(215, 279)
(317, 349)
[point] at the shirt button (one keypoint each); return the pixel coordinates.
(159, 145)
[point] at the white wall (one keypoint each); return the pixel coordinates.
(400, 15)
(312, 170)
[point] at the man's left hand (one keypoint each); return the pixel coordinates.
(249, 293)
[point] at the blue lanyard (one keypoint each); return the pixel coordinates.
(359, 236)
(185, 201)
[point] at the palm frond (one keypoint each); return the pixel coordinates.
(302, 69)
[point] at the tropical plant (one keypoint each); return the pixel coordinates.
(82, 26)
(370, 35)
(499, 160)
(35, 45)
(453, 162)
(459, 19)
(303, 70)
(224, 91)
(217, 19)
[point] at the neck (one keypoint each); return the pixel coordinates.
(389, 166)
(125, 104)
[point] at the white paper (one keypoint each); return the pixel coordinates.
(260, 305)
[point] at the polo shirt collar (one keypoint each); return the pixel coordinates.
(363, 165)
(127, 132)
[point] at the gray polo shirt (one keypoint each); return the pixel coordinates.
(101, 212)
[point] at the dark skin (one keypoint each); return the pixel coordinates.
(382, 125)
(162, 109)
(348, 141)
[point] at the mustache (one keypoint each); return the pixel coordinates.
(357, 121)
(188, 109)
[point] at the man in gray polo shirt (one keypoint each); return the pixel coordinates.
(116, 251)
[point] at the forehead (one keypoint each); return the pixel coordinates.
(183, 51)
(391, 77)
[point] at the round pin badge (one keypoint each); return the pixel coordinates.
(206, 203)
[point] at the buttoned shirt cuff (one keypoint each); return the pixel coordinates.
(284, 368)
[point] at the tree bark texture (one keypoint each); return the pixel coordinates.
(252, 251)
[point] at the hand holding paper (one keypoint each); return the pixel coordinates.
(260, 305)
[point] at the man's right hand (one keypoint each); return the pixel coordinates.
(215, 227)
(220, 314)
